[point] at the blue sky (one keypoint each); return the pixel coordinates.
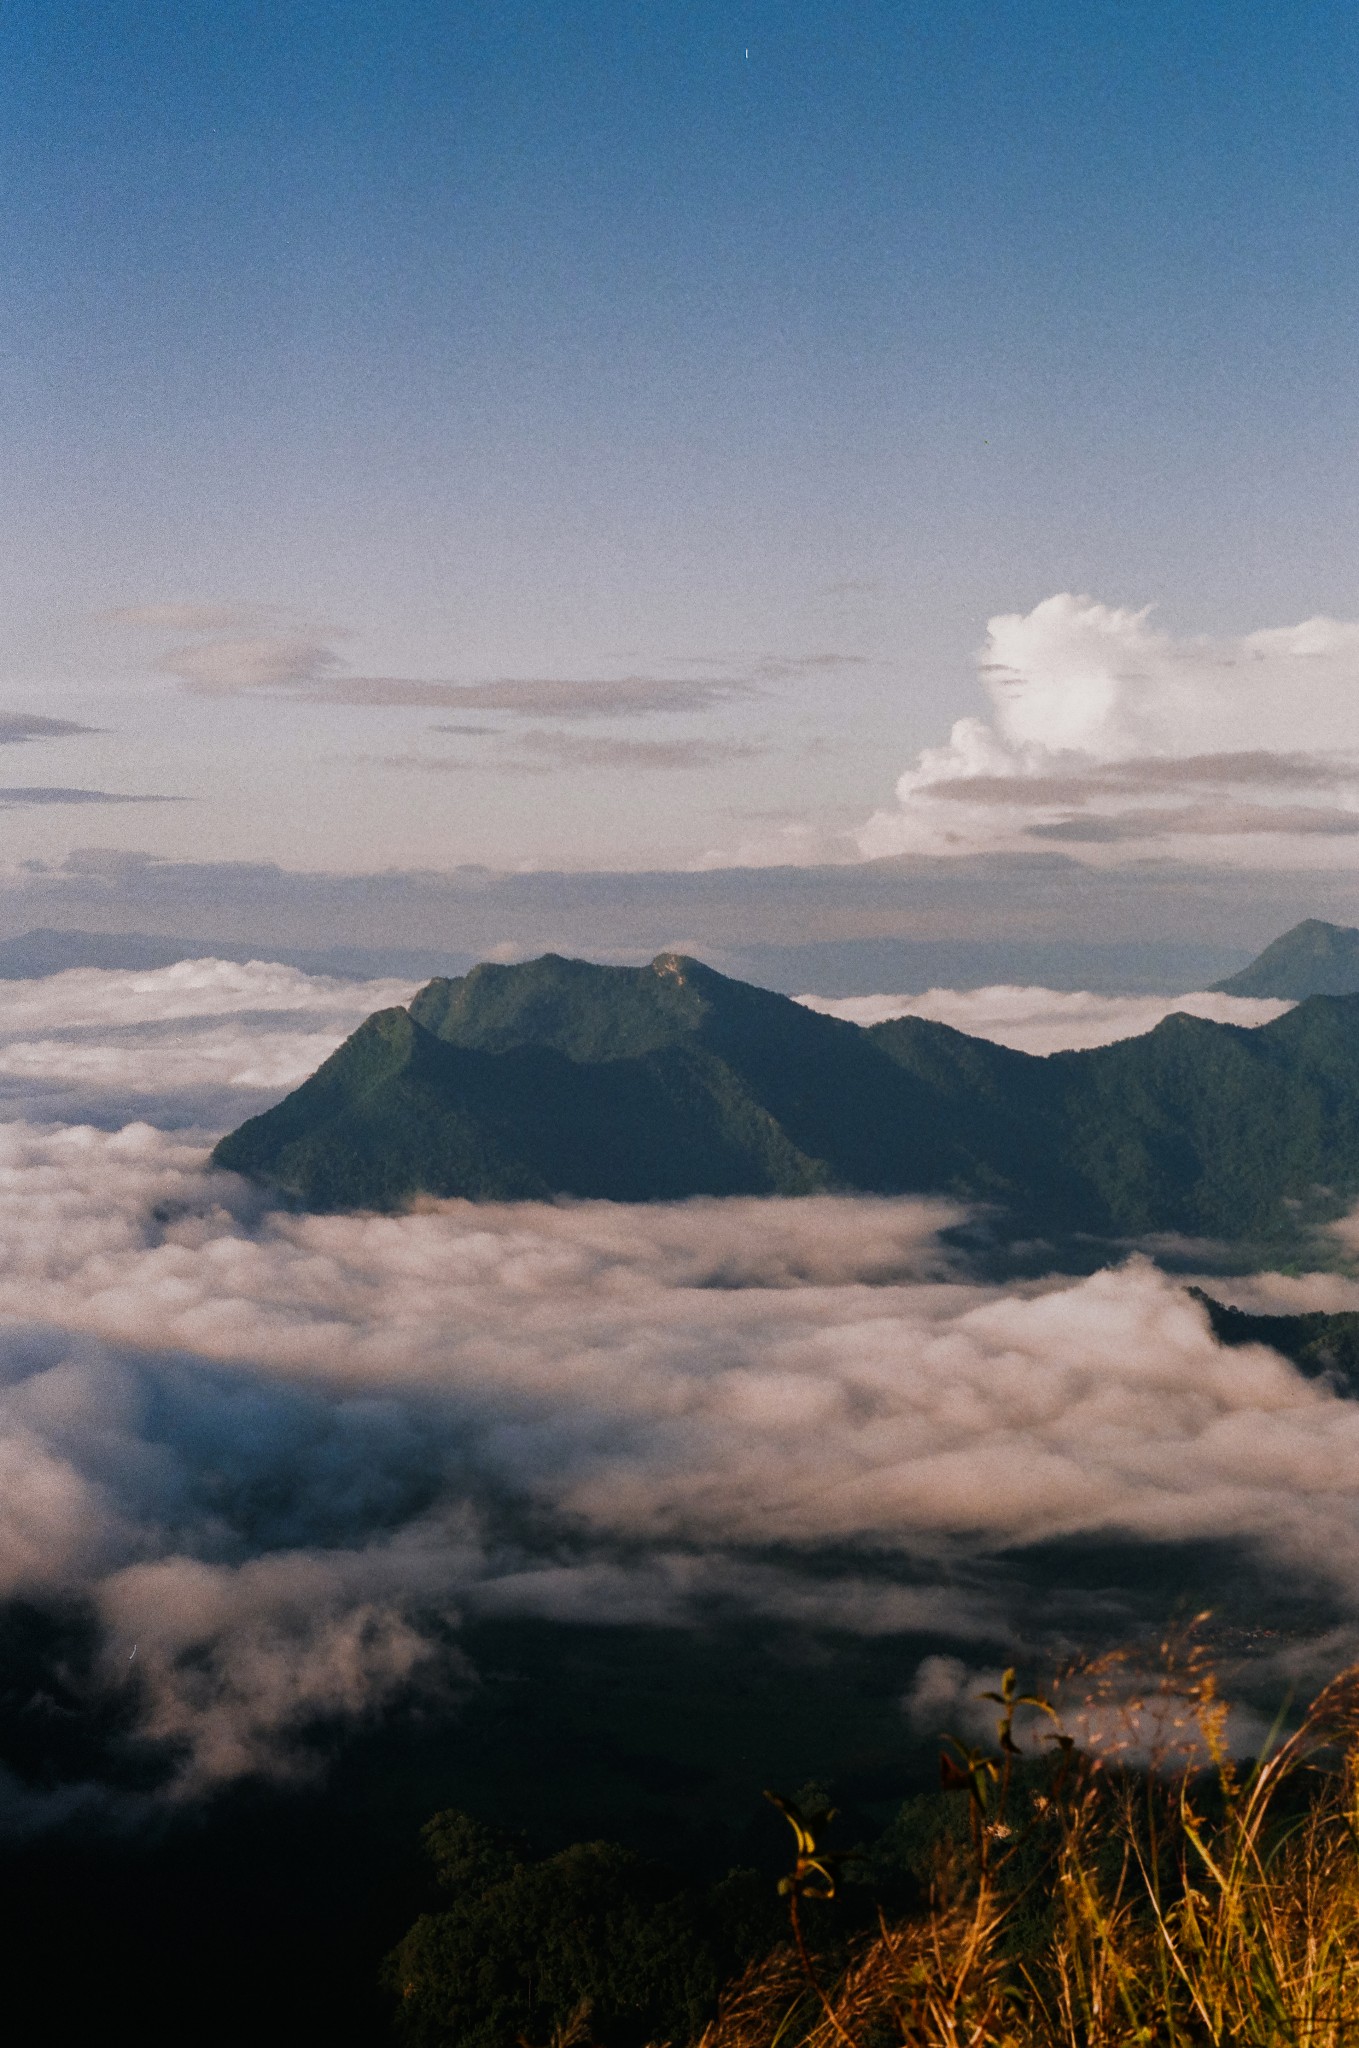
(476, 345)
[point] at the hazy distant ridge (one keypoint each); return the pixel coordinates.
(1313, 959)
(826, 967)
(32, 956)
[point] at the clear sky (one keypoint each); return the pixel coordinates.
(598, 435)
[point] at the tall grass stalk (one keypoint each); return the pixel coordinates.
(1142, 1888)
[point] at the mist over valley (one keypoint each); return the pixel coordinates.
(288, 1456)
(409, 1508)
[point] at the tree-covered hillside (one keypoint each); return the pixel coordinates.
(562, 1078)
(1324, 1346)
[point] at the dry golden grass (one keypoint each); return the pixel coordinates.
(1150, 1894)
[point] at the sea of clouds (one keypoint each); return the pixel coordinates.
(278, 1459)
(205, 1042)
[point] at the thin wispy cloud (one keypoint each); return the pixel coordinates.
(311, 670)
(543, 753)
(1217, 821)
(1208, 920)
(1223, 772)
(193, 618)
(19, 727)
(264, 661)
(306, 664)
(19, 799)
(782, 668)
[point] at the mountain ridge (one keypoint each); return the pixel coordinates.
(560, 1078)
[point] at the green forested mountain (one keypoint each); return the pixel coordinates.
(558, 1077)
(1313, 959)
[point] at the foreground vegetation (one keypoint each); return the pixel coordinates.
(1104, 1875)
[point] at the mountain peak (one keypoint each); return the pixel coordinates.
(1313, 959)
(576, 1007)
(671, 966)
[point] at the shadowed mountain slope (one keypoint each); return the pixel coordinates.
(561, 1078)
(1324, 1346)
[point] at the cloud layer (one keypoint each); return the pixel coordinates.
(1035, 916)
(1108, 732)
(19, 727)
(203, 1043)
(307, 664)
(12, 799)
(278, 1459)
(240, 650)
(281, 1455)
(538, 752)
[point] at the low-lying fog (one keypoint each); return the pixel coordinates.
(277, 1458)
(1043, 1020)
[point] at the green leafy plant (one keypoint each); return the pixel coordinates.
(591, 1944)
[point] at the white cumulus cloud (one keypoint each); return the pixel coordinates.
(1107, 731)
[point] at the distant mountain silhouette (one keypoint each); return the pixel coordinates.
(557, 1077)
(828, 967)
(1314, 959)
